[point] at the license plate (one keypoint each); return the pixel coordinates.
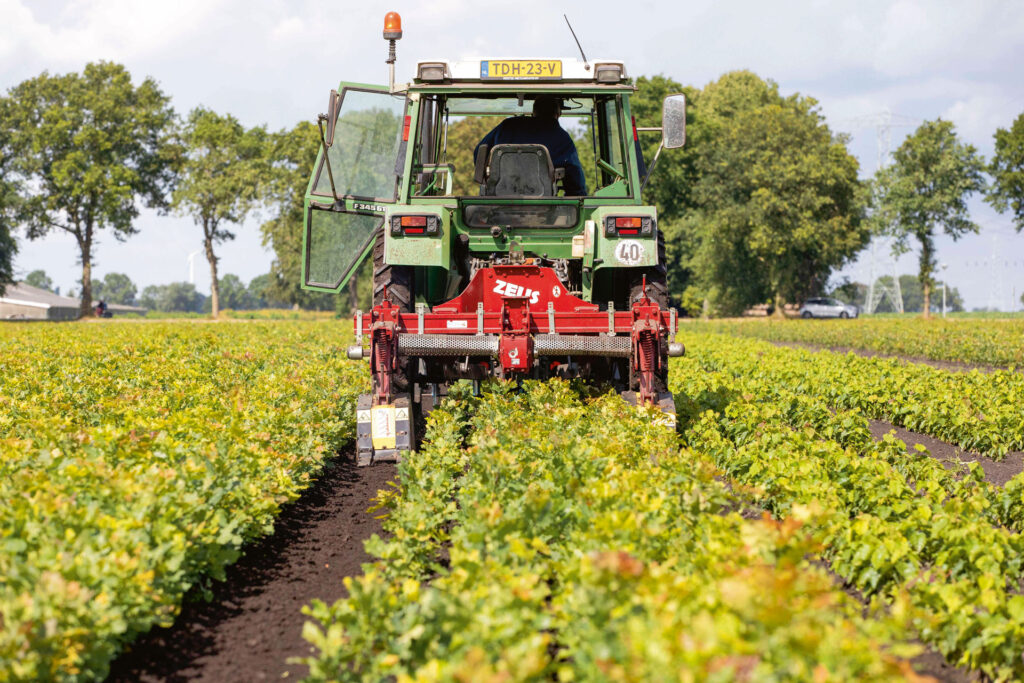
(520, 69)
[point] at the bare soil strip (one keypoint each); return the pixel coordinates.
(254, 623)
(951, 366)
(997, 472)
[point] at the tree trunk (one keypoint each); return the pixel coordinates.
(779, 313)
(214, 285)
(85, 250)
(927, 265)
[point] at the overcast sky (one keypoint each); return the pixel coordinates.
(273, 61)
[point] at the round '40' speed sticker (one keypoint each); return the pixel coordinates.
(629, 252)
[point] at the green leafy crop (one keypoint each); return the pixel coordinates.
(135, 461)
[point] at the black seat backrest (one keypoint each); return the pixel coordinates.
(519, 170)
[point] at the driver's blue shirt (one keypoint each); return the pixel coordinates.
(530, 130)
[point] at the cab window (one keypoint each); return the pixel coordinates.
(452, 126)
(367, 138)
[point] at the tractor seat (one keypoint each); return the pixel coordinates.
(517, 170)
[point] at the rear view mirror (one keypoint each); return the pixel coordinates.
(673, 121)
(333, 105)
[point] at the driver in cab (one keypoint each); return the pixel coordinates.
(542, 129)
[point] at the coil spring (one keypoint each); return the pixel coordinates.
(647, 345)
(383, 349)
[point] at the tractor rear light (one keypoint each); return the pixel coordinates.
(405, 129)
(636, 138)
(608, 73)
(415, 225)
(628, 225)
(432, 71)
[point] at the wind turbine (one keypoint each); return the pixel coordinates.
(192, 265)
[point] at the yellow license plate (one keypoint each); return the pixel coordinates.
(520, 69)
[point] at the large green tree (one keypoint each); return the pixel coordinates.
(1007, 171)
(292, 154)
(91, 149)
(39, 278)
(778, 205)
(176, 296)
(234, 294)
(115, 288)
(925, 189)
(221, 179)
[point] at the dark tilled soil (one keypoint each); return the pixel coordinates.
(951, 366)
(997, 472)
(253, 624)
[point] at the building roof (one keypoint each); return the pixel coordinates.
(26, 295)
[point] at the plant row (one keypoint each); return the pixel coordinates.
(986, 342)
(976, 411)
(928, 543)
(135, 461)
(540, 536)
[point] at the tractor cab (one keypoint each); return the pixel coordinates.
(501, 203)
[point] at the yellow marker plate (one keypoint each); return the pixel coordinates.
(520, 69)
(382, 429)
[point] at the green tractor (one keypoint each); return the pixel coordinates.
(487, 268)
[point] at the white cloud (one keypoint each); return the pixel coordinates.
(100, 29)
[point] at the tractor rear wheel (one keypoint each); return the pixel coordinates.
(657, 291)
(397, 282)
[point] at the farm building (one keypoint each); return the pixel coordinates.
(24, 302)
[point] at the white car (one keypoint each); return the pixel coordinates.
(827, 308)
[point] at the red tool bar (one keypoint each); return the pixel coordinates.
(586, 322)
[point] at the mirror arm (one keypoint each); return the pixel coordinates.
(327, 159)
(650, 169)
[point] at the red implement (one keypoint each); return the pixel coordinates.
(512, 315)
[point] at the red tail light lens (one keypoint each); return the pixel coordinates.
(628, 225)
(405, 129)
(415, 225)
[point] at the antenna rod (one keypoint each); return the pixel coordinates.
(575, 38)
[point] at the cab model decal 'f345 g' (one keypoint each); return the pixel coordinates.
(368, 207)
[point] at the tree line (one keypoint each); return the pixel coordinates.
(118, 288)
(764, 202)
(83, 152)
(762, 205)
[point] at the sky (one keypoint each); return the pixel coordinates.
(273, 62)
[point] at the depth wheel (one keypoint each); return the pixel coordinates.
(397, 281)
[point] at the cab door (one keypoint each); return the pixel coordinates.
(367, 159)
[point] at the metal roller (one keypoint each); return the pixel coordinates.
(581, 345)
(447, 345)
(455, 345)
